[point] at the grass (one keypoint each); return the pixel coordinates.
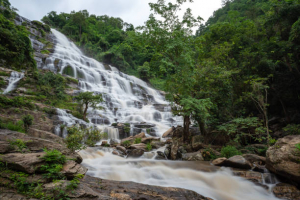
(45, 52)
(158, 83)
(137, 140)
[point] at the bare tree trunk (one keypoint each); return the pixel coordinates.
(186, 128)
(84, 112)
(202, 127)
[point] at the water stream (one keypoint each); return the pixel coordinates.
(129, 99)
(15, 77)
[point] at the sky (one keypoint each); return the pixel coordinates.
(135, 12)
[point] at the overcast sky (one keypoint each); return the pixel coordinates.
(135, 12)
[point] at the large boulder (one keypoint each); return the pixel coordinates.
(135, 152)
(219, 161)
(286, 191)
(196, 156)
(253, 158)
(141, 146)
(283, 158)
(71, 169)
(122, 149)
(174, 150)
(168, 133)
(132, 138)
(150, 139)
(234, 161)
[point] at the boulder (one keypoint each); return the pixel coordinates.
(45, 135)
(104, 143)
(132, 138)
(136, 152)
(115, 153)
(196, 156)
(283, 158)
(286, 191)
(71, 169)
(253, 158)
(219, 161)
(28, 163)
(122, 149)
(167, 152)
(174, 150)
(113, 142)
(140, 146)
(160, 156)
(150, 139)
(168, 133)
(238, 162)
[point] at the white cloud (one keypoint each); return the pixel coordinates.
(131, 11)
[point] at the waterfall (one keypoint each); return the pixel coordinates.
(15, 77)
(127, 99)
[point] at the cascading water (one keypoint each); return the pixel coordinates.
(219, 184)
(15, 77)
(126, 98)
(129, 99)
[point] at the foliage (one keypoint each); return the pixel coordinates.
(18, 144)
(137, 140)
(229, 151)
(126, 143)
(292, 129)
(79, 138)
(19, 102)
(27, 121)
(208, 154)
(15, 47)
(13, 126)
(298, 146)
(149, 146)
(54, 163)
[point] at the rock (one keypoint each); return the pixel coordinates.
(45, 135)
(136, 152)
(252, 158)
(286, 191)
(259, 168)
(196, 156)
(174, 149)
(178, 132)
(160, 156)
(113, 142)
(140, 146)
(71, 169)
(104, 143)
(115, 153)
(35, 144)
(157, 145)
(144, 125)
(122, 149)
(168, 141)
(219, 161)
(167, 152)
(82, 190)
(197, 143)
(168, 133)
(132, 138)
(28, 162)
(238, 162)
(283, 158)
(150, 139)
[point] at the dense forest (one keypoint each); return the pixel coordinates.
(239, 72)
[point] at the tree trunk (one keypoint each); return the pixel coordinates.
(186, 129)
(202, 127)
(84, 112)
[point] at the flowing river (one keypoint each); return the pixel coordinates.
(130, 100)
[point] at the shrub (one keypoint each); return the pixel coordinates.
(292, 129)
(149, 146)
(208, 154)
(137, 140)
(19, 102)
(27, 121)
(54, 163)
(229, 151)
(114, 124)
(18, 144)
(126, 143)
(18, 126)
(127, 129)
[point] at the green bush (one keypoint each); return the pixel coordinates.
(229, 151)
(4, 74)
(292, 129)
(137, 140)
(298, 146)
(126, 143)
(27, 121)
(19, 102)
(18, 144)
(54, 163)
(13, 126)
(149, 147)
(208, 154)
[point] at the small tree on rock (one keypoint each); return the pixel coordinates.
(88, 99)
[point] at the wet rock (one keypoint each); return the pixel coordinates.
(182, 150)
(196, 156)
(253, 158)
(286, 191)
(157, 144)
(167, 151)
(140, 146)
(104, 143)
(115, 153)
(160, 156)
(249, 175)
(144, 125)
(169, 133)
(197, 143)
(45, 135)
(135, 152)
(283, 158)
(122, 149)
(150, 139)
(168, 141)
(71, 169)
(132, 138)
(259, 168)
(219, 161)
(113, 142)
(174, 150)
(238, 162)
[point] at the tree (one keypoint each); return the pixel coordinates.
(88, 99)
(27, 121)
(172, 40)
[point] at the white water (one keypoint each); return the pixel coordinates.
(15, 77)
(219, 185)
(127, 98)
